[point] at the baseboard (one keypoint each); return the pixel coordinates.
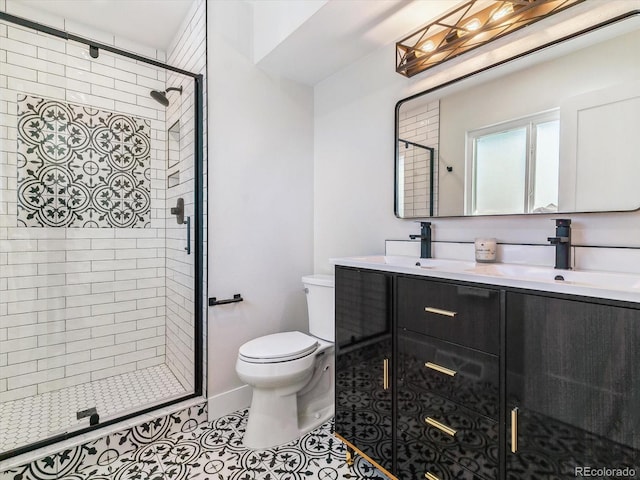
(229, 402)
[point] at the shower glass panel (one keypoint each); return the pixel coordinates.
(97, 285)
(417, 173)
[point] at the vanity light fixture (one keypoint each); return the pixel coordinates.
(471, 25)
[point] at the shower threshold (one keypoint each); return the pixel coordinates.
(35, 418)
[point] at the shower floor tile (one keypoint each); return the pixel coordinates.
(30, 419)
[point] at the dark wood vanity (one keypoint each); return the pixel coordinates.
(447, 379)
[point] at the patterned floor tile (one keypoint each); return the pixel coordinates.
(208, 451)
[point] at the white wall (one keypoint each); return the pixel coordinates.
(260, 195)
(354, 155)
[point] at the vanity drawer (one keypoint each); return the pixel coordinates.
(465, 376)
(416, 460)
(465, 437)
(469, 316)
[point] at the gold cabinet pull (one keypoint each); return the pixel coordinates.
(385, 374)
(514, 430)
(440, 426)
(439, 311)
(431, 476)
(440, 368)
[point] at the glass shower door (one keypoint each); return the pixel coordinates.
(97, 276)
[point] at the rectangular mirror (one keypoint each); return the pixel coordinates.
(552, 131)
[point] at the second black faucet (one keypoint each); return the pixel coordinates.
(562, 241)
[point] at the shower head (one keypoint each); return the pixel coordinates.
(161, 97)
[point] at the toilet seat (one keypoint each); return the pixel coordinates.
(278, 347)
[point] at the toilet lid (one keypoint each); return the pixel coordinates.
(278, 347)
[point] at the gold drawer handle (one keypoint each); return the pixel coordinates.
(440, 426)
(514, 430)
(385, 374)
(431, 476)
(440, 368)
(439, 311)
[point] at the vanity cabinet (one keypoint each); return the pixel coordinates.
(445, 379)
(363, 417)
(573, 386)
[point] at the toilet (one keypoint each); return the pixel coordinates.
(292, 373)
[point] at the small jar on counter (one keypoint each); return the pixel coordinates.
(485, 250)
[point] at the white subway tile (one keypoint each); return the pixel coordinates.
(135, 356)
(35, 257)
(18, 393)
(135, 294)
(65, 382)
(89, 322)
(113, 286)
(66, 244)
(36, 305)
(92, 299)
(90, 344)
(18, 368)
(113, 350)
(63, 337)
(89, 366)
(64, 267)
(137, 335)
(113, 307)
(34, 378)
(89, 277)
(112, 329)
(35, 329)
(70, 291)
(63, 314)
(21, 319)
(63, 360)
(36, 281)
(110, 372)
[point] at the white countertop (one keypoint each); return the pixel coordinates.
(597, 284)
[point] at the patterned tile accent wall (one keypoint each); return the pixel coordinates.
(79, 304)
(421, 126)
(81, 167)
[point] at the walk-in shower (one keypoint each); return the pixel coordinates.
(100, 287)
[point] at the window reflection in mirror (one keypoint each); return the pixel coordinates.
(513, 167)
(583, 159)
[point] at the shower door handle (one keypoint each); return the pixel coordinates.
(187, 222)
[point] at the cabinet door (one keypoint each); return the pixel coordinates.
(573, 388)
(363, 363)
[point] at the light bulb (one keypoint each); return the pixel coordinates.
(428, 46)
(503, 11)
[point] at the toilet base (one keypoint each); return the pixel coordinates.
(271, 421)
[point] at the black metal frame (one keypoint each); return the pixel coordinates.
(629, 14)
(198, 227)
(431, 169)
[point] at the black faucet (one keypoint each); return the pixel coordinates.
(425, 239)
(562, 241)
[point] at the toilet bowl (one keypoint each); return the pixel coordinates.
(291, 374)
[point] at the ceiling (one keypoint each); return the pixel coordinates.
(152, 23)
(338, 34)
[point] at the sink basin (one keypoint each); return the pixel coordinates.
(608, 280)
(418, 263)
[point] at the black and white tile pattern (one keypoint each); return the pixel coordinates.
(180, 447)
(81, 167)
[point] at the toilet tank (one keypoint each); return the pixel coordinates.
(320, 303)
